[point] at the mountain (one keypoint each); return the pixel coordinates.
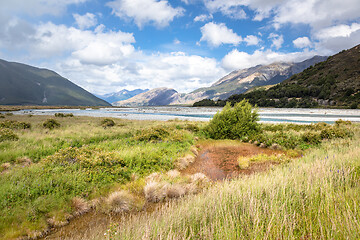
(22, 84)
(121, 95)
(334, 82)
(154, 97)
(236, 82)
(240, 81)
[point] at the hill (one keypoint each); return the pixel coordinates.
(334, 82)
(22, 84)
(121, 95)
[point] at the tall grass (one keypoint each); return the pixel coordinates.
(316, 197)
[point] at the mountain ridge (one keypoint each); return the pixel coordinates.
(22, 84)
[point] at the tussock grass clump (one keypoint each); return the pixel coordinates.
(107, 122)
(120, 201)
(7, 135)
(2, 115)
(155, 191)
(51, 124)
(80, 206)
(4, 167)
(184, 162)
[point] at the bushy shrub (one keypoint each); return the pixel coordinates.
(64, 115)
(160, 134)
(107, 122)
(51, 124)
(7, 135)
(234, 122)
(15, 125)
(2, 115)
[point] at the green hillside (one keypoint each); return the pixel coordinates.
(21, 84)
(332, 83)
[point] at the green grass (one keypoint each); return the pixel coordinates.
(78, 159)
(83, 159)
(316, 197)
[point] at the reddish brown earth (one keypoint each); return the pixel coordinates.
(219, 162)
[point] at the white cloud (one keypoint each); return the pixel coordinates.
(251, 40)
(203, 18)
(159, 13)
(229, 8)
(85, 21)
(217, 34)
(277, 40)
(36, 7)
(238, 60)
(341, 30)
(302, 42)
(317, 13)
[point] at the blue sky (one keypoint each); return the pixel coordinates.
(108, 45)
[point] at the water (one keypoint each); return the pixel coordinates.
(274, 115)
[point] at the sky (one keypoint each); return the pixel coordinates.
(105, 46)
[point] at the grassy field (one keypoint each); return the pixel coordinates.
(316, 197)
(51, 173)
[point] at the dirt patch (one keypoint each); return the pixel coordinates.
(219, 162)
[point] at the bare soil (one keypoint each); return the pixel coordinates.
(220, 162)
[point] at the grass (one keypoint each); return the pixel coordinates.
(315, 197)
(50, 175)
(78, 160)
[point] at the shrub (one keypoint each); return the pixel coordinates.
(64, 115)
(15, 125)
(7, 135)
(51, 124)
(2, 115)
(107, 122)
(234, 122)
(160, 134)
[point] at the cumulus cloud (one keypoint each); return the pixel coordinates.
(277, 40)
(85, 21)
(158, 13)
(229, 8)
(176, 70)
(203, 18)
(251, 40)
(217, 34)
(302, 42)
(238, 60)
(341, 30)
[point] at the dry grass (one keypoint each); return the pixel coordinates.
(80, 206)
(155, 191)
(120, 201)
(184, 162)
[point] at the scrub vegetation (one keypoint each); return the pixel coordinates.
(50, 175)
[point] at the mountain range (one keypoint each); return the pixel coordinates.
(334, 82)
(121, 95)
(22, 84)
(234, 83)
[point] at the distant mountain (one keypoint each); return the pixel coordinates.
(334, 82)
(22, 84)
(154, 97)
(121, 95)
(240, 81)
(236, 82)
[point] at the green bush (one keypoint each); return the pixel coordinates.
(107, 122)
(161, 134)
(7, 135)
(234, 122)
(64, 115)
(15, 125)
(51, 124)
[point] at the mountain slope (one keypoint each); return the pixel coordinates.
(241, 80)
(334, 82)
(22, 84)
(154, 97)
(121, 95)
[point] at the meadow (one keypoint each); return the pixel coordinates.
(55, 169)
